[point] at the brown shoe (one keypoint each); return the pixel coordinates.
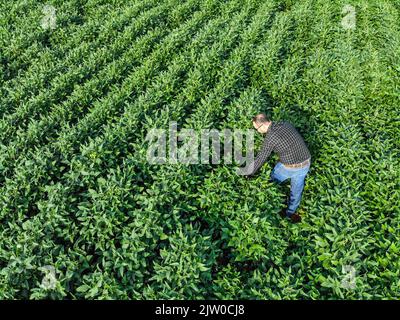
(295, 217)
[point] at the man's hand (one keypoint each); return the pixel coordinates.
(244, 173)
(250, 176)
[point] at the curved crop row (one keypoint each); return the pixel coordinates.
(27, 40)
(63, 85)
(77, 104)
(67, 54)
(182, 59)
(178, 65)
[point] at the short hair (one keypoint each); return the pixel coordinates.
(260, 118)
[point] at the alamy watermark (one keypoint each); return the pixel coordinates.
(190, 147)
(49, 20)
(49, 280)
(349, 20)
(349, 279)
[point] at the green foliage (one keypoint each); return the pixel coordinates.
(183, 268)
(78, 196)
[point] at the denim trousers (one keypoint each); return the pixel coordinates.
(297, 178)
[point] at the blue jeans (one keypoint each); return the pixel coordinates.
(297, 179)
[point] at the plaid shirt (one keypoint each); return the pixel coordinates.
(286, 141)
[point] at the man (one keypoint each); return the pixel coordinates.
(294, 159)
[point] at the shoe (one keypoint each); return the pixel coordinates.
(295, 218)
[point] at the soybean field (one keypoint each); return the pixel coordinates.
(84, 215)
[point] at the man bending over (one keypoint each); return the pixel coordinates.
(294, 159)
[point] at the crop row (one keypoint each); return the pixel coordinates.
(62, 57)
(177, 189)
(333, 70)
(77, 104)
(178, 64)
(23, 38)
(49, 125)
(62, 86)
(162, 202)
(27, 41)
(78, 193)
(169, 195)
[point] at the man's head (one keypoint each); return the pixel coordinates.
(261, 123)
